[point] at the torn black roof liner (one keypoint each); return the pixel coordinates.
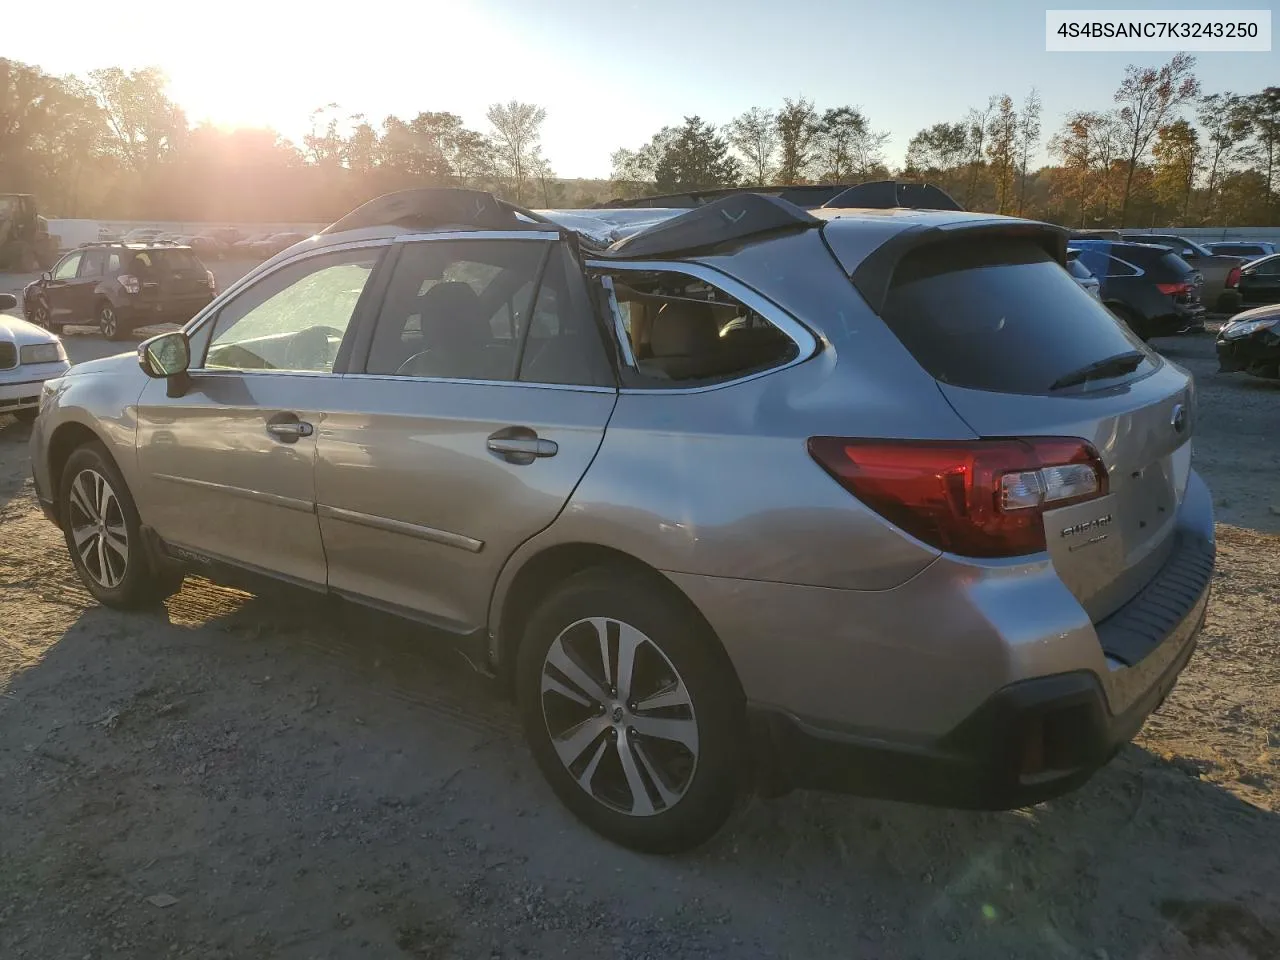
(722, 221)
(427, 208)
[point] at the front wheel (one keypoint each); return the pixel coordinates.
(104, 534)
(40, 314)
(108, 321)
(631, 712)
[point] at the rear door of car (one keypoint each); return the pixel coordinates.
(475, 404)
(1006, 361)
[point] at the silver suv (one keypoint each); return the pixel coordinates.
(868, 500)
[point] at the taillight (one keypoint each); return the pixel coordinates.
(209, 278)
(130, 283)
(979, 498)
(1233, 278)
(1182, 289)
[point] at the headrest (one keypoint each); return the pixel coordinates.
(684, 329)
(450, 313)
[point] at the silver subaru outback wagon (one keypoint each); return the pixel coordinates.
(877, 501)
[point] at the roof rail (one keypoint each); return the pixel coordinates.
(738, 216)
(426, 208)
(806, 196)
(889, 194)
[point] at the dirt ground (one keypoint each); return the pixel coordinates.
(268, 777)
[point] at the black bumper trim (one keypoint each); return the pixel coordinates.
(976, 766)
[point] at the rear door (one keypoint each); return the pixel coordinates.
(1003, 328)
(481, 399)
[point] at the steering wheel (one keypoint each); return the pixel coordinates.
(309, 349)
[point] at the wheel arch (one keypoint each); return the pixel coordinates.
(544, 570)
(65, 440)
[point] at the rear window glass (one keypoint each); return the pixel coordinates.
(1003, 317)
(162, 259)
(1174, 265)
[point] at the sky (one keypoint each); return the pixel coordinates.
(609, 74)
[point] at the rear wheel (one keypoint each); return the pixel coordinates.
(108, 321)
(1130, 320)
(633, 718)
(104, 534)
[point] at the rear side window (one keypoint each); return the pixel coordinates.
(1003, 317)
(1173, 265)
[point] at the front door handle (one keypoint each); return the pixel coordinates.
(289, 431)
(520, 445)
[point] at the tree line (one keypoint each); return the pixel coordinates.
(114, 145)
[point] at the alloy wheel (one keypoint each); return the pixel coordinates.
(98, 529)
(107, 322)
(40, 314)
(620, 716)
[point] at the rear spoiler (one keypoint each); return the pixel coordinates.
(874, 274)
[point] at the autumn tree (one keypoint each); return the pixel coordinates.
(847, 147)
(146, 127)
(1028, 141)
(798, 127)
(695, 157)
(1002, 149)
(517, 133)
(634, 172)
(1149, 99)
(1224, 119)
(1177, 160)
(754, 134)
(1262, 113)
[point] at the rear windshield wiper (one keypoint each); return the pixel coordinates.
(1116, 366)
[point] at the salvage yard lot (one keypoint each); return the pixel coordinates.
(243, 776)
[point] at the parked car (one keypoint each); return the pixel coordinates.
(1221, 273)
(276, 243)
(978, 559)
(29, 356)
(1153, 290)
(1245, 249)
(1260, 280)
(143, 234)
(1083, 275)
(120, 286)
(1250, 342)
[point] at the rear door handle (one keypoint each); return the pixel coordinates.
(521, 445)
(289, 431)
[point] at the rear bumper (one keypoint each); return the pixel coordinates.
(991, 692)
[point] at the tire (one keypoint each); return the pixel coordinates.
(660, 778)
(1130, 320)
(26, 415)
(92, 490)
(109, 322)
(40, 314)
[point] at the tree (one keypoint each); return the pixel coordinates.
(1149, 99)
(1002, 149)
(847, 147)
(517, 130)
(1177, 160)
(362, 149)
(1028, 141)
(1224, 117)
(695, 158)
(634, 172)
(1262, 111)
(797, 129)
(754, 134)
(324, 143)
(938, 152)
(976, 120)
(146, 126)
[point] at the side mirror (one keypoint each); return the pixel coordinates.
(8, 301)
(1189, 254)
(167, 357)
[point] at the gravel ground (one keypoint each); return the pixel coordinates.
(246, 776)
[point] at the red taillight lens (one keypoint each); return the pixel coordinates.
(980, 498)
(1233, 278)
(130, 283)
(1174, 289)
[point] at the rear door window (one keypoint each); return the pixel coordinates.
(1001, 316)
(174, 260)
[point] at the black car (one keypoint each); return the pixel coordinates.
(1251, 342)
(1150, 288)
(1260, 280)
(120, 286)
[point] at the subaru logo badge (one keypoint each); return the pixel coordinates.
(1179, 418)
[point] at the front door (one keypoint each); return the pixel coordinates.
(228, 468)
(481, 402)
(62, 292)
